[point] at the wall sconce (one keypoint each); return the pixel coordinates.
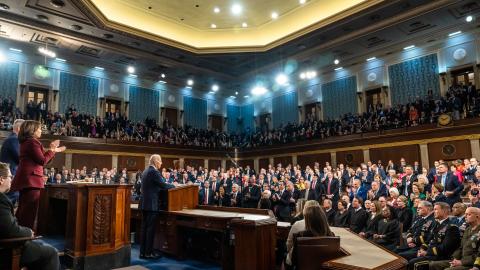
(443, 77)
(55, 93)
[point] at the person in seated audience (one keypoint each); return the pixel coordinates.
(419, 232)
(265, 201)
(329, 211)
(221, 198)
(341, 215)
(316, 225)
(206, 195)
(374, 193)
(443, 240)
(34, 254)
(404, 214)
(466, 255)
(374, 217)
(437, 194)
(388, 231)
(357, 216)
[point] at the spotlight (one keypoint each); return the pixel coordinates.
(303, 75)
(454, 33)
(469, 18)
(236, 93)
(259, 90)
(236, 9)
(213, 25)
(281, 79)
(409, 47)
(371, 59)
(189, 82)
(338, 68)
(244, 25)
(60, 60)
(274, 15)
(216, 9)
(163, 75)
(164, 82)
(130, 69)
(15, 50)
(336, 61)
(302, 2)
(215, 88)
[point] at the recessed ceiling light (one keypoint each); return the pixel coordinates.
(336, 61)
(371, 59)
(244, 25)
(233, 97)
(213, 25)
(469, 18)
(60, 60)
(338, 68)
(162, 75)
(409, 47)
(236, 9)
(130, 69)
(302, 2)
(454, 33)
(99, 68)
(164, 82)
(15, 50)
(303, 75)
(236, 93)
(216, 9)
(211, 92)
(215, 87)
(281, 79)
(246, 96)
(274, 15)
(259, 90)
(190, 82)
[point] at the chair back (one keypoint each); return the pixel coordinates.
(311, 252)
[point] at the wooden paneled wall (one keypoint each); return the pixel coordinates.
(411, 153)
(57, 162)
(263, 163)
(449, 150)
(91, 161)
(321, 158)
(214, 164)
(194, 162)
(170, 162)
(243, 163)
(132, 163)
(351, 158)
(285, 160)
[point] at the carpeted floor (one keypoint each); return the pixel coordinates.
(164, 263)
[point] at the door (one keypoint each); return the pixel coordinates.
(113, 105)
(217, 122)
(462, 76)
(36, 105)
(372, 98)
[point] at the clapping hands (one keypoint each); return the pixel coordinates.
(55, 146)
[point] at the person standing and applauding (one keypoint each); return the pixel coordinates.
(29, 177)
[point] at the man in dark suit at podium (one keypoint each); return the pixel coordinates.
(151, 185)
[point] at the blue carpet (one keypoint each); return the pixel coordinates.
(164, 263)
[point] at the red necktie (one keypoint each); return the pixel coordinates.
(313, 186)
(205, 201)
(328, 188)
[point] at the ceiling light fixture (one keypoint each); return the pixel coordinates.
(258, 90)
(244, 25)
(336, 61)
(130, 69)
(454, 33)
(215, 88)
(303, 76)
(371, 59)
(211, 92)
(236, 93)
(15, 50)
(164, 82)
(274, 15)
(60, 60)
(189, 82)
(236, 9)
(132, 75)
(246, 96)
(302, 2)
(99, 68)
(163, 75)
(338, 68)
(409, 47)
(469, 18)
(47, 52)
(233, 97)
(216, 9)
(213, 25)
(281, 79)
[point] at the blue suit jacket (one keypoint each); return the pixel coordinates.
(151, 186)
(10, 152)
(452, 184)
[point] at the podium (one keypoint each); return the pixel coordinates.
(94, 220)
(178, 198)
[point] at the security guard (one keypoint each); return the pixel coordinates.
(445, 239)
(419, 232)
(464, 257)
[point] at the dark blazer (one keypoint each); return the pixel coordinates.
(311, 194)
(150, 189)
(358, 219)
(341, 220)
(252, 201)
(283, 204)
(405, 216)
(224, 201)
(237, 202)
(334, 189)
(217, 186)
(9, 227)
(330, 216)
(403, 186)
(452, 184)
(30, 169)
(201, 196)
(371, 226)
(10, 152)
(318, 190)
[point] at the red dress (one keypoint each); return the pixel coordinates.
(29, 180)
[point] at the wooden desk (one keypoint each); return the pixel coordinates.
(95, 220)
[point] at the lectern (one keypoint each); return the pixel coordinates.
(94, 219)
(182, 197)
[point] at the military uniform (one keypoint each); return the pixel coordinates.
(420, 232)
(467, 252)
(444, 239)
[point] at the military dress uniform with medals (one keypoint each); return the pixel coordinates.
(420, 233)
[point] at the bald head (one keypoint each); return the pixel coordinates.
(155, 161)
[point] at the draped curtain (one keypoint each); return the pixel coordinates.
(78, 90)
(9, 79)
(339, 97)
(144, 103)
(285, 109)
(413, 78)
(233, 116)
(247, 112)
(195, 112)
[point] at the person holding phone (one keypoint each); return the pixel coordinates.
(29, 178)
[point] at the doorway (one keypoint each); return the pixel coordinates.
(113, 106)
(372, 98)
(463, 77)
(36, 103)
